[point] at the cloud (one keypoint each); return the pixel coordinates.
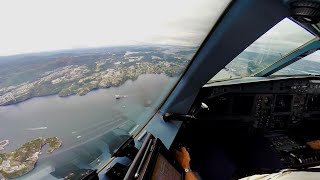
(42, 25)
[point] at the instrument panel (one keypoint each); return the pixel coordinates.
(270, 105)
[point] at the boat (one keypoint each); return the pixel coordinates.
(120, 96)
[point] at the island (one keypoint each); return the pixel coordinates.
(80, 72)
(22, 160)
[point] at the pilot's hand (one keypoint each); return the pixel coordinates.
(314, 144)
(183, 157)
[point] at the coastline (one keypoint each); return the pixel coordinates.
(72, 94)
(57, 94)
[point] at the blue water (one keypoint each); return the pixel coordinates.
(78, 120)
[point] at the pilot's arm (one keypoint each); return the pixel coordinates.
(183, 159)
(314, 144)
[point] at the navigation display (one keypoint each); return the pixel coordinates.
(164, 170)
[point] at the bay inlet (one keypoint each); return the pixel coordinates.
(78, 120)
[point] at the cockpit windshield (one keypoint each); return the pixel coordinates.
(78, 78)
(283, 38)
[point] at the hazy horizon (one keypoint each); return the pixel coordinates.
(89, 48)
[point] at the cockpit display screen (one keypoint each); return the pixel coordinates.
(164, 170)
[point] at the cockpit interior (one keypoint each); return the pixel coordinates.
(255, 127)
(261, 122)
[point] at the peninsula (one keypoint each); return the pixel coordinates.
(22, 160)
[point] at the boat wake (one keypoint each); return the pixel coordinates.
(37, 128)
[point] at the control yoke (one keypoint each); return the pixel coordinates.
(186, 117)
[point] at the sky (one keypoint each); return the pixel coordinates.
(313, 57)
(45, 25)
(283, 38)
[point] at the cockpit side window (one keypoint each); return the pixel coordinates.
(283, 38)
(309, 65)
